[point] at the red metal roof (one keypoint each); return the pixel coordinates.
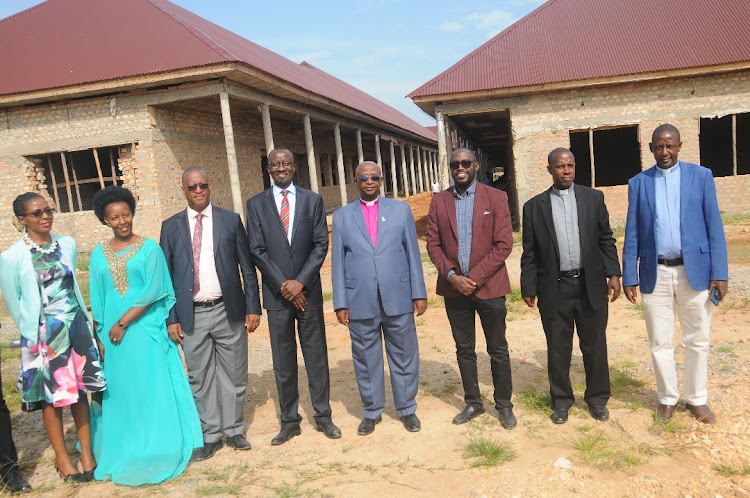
(68, 42)
(570, 40)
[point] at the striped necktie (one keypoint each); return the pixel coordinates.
(284, 213)
(197, 240)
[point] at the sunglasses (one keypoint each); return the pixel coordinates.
(375, 178)
(465, 163)
(39, 212)
(193, 188)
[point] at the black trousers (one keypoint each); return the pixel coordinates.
(591, 326)
(8, 455)
(312, 338)
(461, 314)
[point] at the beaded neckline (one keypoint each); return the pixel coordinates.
(44, 249)
(118, 266)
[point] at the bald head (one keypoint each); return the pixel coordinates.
(368, 165)
(279, 150)
(193, 169)
(472, 155)
(552, 156)
(666, 128)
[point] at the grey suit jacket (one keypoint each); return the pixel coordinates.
(231, 255)
(393, 265)
(540, 261)
(279, 261)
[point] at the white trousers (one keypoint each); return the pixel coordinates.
(694, 307)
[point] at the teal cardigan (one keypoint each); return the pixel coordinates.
(20, 287)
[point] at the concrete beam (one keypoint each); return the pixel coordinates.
(340, 163)
(234, 177)
(312, 165)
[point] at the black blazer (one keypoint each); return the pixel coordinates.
(540, 261)
(230, 253)
(275, 258)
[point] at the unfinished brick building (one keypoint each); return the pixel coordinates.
(87, 100)
(598, 76)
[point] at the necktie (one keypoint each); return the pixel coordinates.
(197, 239)
(285, 212)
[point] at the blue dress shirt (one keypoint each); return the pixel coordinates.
(667, 202)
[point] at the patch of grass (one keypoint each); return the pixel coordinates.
(534, 427)
(728, 350)
(595, 448)
(217, 475)
(638, 308)
(535, 401)
(425, 257)
(436, 301)
(419, 322)
(346, 448)
(671, 426)
(438, 391)
(633, 405)
(488, 452)
(82, 263)
(28, 461)
(327, 296)
(584, 429)
(574, 411)
(741, 218)
(515, 295)
(623, 382)
(437, 348)
(11, 393)
(7, 354)
(218, 489)
(517, 238)
(729, 471)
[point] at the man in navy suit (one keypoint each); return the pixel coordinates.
(288, 235)
(378, 285)
(674, 228)
(206, 249)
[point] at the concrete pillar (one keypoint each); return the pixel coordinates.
(327, 168)
(312, 165)
(394, 180)
(360, 154)
(348, 169)
(340, 163)
(423, 161)
(413, 171)
(442, 133)
(265, 113)
(420, 170)
(379, 160)
(404, 173)
(234, 176)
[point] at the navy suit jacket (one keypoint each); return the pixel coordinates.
(275, 258)
(704, 248)
(230, 253)
(393, 265)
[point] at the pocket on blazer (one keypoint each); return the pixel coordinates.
(404, 276)
(349, 283)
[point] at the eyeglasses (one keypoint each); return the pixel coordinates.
(375, 178)
(465, 163)
(39, 212)
(277, 165)
(194, 187)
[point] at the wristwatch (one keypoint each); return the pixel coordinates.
(121, 325)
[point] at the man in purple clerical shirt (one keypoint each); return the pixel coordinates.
(378, 288)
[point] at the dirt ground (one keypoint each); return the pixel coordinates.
(627, 456)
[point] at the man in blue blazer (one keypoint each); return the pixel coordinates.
(378, 284)
(206, 250)
(674, 227)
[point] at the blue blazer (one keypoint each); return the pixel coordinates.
(704, 248)
(359, 268)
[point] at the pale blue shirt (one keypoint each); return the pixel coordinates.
(565, 219)
(667, 202)
(291, 198)
(465, 222)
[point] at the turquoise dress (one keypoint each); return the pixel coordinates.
(147, 425)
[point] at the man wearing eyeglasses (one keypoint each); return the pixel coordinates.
(206, 250)
(469, 237)
(289, 240)
(378, 288)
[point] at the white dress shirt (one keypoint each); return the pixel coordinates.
(291, 198)
(210, 287)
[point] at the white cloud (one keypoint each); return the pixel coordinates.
(451, 26)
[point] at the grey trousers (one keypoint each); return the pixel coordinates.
(216, 358)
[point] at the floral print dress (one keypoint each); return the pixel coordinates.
(65, 359)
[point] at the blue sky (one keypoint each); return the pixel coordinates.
(386, 48)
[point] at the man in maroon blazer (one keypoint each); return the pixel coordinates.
(469, 237)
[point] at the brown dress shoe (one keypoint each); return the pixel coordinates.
(664, 412)
(702, 413)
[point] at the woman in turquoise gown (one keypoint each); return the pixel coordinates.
(147, 425)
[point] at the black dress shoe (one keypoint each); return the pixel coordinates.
(285, 435)
(208, 450)
(507, 418)
(14, 482)
(600, 413)
(77, 478)
(559, 415)
(238, 442)
(367, 426)
(411, 422)
(467, 414)
(329, 429)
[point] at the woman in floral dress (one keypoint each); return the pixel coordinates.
(59, 358)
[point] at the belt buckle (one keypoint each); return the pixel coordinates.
(575, 273)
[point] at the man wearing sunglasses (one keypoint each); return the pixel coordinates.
(206, 250)
(288, 235)
(378, 288)
(469, 237)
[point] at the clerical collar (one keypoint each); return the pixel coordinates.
(667, 171)
(369, 203)
(562, 192)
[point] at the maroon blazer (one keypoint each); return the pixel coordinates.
(491, 244)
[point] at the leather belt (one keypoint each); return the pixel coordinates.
(208, 304)
(671, 262)
(571, 273)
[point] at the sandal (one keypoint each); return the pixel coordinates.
(72, 478)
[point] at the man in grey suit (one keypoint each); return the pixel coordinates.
(206, 249)
(288, 235)
(375, 247)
